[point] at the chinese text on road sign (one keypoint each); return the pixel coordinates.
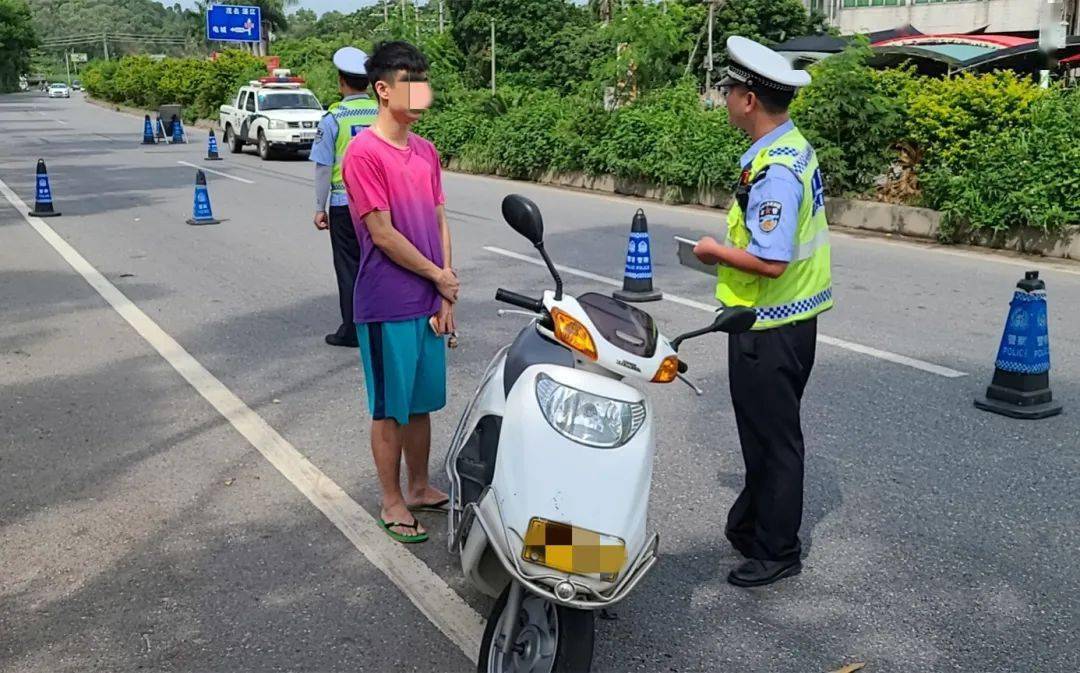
(233, 23)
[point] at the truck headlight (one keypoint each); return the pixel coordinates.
(276, 124)
(586, 418)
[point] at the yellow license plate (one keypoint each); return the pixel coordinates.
(571, 549)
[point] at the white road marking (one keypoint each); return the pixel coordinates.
(431, 595)
(58, 121)
(211, 170)
(832, 341)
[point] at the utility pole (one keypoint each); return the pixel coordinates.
(416, 19)
(709, 55)
(105, 46)
(403, 11)
(386, 11)
(493, 56)
(441, 25)
(67, 65)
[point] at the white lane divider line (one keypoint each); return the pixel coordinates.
(431, 595)
(831, 341)
(211, 170)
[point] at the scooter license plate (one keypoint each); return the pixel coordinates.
(571, 549)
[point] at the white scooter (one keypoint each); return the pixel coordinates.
(551, 464)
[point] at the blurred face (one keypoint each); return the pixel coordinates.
(740, 103)
(407, 97)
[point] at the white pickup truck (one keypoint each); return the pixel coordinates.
(274, 113)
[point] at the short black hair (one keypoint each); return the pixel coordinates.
(774, 101)
(355, 82)
(391, 57)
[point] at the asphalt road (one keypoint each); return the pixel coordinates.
(140, 530)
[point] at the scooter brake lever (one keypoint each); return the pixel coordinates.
(690, 383)
(509, 311)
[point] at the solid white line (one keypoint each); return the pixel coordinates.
(211, 170)
(832, 341)
(434, 598)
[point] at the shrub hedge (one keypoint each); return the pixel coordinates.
(992, 152)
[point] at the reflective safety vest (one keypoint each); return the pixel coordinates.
(352, 116)
(805, 288)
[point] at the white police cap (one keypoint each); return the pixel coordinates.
(753, 64)
(350, 61)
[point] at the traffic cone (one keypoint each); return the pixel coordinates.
(1021, 384)
(178, 135)
(200, 211)
(161, 137)
(211, 147)
(637, 279)
(148, 132)
(43, 206)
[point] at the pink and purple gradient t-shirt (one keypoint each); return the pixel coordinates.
(408, 184)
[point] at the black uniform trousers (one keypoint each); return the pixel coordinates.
(346, 251)
(768, 372)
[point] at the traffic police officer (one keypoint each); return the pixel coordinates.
(775, 260)
(342, 121)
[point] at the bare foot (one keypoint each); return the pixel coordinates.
(425, 497)
(401, 514)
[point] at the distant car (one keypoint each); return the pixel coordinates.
(59, 90)
(76, 85)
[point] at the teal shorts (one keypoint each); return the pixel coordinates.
(404, 368)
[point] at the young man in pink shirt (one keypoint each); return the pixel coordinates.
(394, 185)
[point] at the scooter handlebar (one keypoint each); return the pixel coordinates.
(519, 300)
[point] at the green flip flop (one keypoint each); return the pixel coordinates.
(404, 539)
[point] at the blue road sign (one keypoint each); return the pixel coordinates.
(233, 23)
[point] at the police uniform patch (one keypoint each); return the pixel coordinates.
(769, 215)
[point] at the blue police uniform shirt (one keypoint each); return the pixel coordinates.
(774, 200)
(323, 149)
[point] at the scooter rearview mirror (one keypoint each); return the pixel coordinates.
(524, 217)
(735, 319)
(732, 319)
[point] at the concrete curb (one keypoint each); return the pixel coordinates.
(205, 124)
(877, 216)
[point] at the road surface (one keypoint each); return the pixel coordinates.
(186, 485)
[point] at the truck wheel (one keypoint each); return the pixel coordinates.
(265, 152)
(235, 144)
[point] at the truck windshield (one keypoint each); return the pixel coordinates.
(288, 101)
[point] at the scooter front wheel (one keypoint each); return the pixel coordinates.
(549, 638)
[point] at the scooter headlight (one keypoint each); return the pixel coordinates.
(586, 418)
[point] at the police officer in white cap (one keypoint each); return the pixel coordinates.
(343, 121)
(776, 260)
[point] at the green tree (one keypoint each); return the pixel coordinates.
(520, 29)
(17, 38)
(303, 23)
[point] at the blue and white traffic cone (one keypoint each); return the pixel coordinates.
(211, 148)
(201, 212)
(637, 279)
(160, 136)
(43, 205)
(148, 132)
(1021, 384)
(178, 135)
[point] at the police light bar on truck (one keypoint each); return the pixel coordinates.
(281, 78)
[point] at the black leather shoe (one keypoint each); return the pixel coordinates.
(338, 340)
(757, 573)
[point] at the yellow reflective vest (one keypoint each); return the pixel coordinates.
(352, 116)
(805, 288)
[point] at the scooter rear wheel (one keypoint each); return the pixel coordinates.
(551, 638)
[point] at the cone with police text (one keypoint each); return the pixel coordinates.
(148, 132)
(637, 279)
(178, 135)
(43, 205)
(1021, 384)
(201, 212)
(211, 147)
